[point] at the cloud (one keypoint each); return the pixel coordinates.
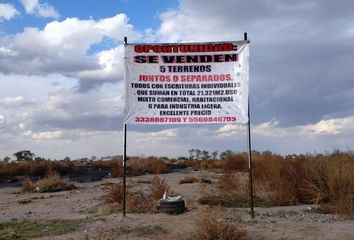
(230, 130)
(94, 110)
(330, 127)
(29, 5)
(61, 47)
(39, 9)
(7, 11)
(2, 119)
(300, 52)
(47, 135)
(110, 70)
(12, 101)
(6, 52)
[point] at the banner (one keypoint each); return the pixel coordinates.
(187, 83)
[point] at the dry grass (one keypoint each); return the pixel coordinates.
(115, 166)
(51, 183)
(135, 166)
(232, 187)
(188, 179)
(211, 227)
(27, 186)
(274, 181)
(157, 188)
(231, 190)
(204, 164)
(37, 168)
(113, 193)
(236, 163)
(233, 162)
(312, 179)
(138, 200)
(150, 165)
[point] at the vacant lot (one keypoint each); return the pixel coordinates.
(215, 196)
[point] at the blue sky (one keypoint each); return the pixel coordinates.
(62, 89)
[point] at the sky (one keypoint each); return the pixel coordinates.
(62, 75)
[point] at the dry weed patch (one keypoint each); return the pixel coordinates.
(37, 168)
(27, 229)
(150, 165)
(212, 227)
(115, 166)
(311, 179)
(188, 179)
(51, 183)
(138, 200)
(314, 179)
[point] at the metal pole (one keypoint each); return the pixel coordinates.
(124, 159)
(250, 167)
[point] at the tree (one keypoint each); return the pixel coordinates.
(224, 155)
(191, 153)
(7, 159)
(205, 154)
(24, 155)
(39, 159)
(197, 153)
(214, 155)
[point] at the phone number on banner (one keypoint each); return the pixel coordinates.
(185, 119)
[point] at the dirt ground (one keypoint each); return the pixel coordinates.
(292, 222)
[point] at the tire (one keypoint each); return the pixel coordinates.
(172, 207)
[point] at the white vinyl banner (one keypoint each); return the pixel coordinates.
(185, 83)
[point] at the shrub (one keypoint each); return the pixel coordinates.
(27, 186)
